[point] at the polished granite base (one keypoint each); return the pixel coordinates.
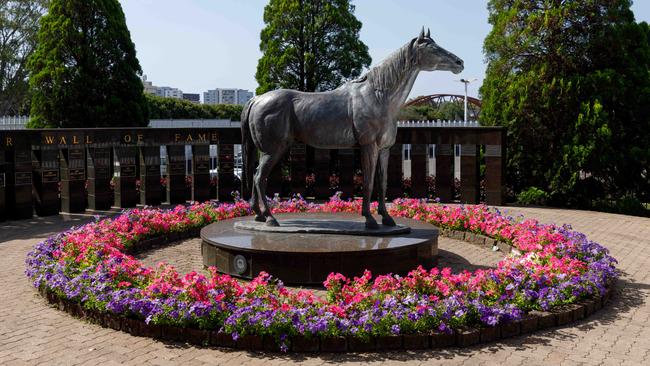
(307, 258)
(322, 226)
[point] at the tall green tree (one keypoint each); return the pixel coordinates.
(571, 82)
(310, 45)
(18, 31)
(84, 72)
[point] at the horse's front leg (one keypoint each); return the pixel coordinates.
(368, 164)
(382, 180)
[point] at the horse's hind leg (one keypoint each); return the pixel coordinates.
(255, 201)
(267, 162)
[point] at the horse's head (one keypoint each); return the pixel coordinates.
(429, 56)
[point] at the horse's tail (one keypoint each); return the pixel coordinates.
(248, 151)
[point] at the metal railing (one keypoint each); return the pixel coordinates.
(13, 122)
(20, 122)
(438, 123)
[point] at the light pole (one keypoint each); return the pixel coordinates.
(465, 81)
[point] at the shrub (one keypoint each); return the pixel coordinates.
(532, 196)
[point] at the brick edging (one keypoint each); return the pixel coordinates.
(464, 337)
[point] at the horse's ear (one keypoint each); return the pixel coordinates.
(428, 33)
(421, 36)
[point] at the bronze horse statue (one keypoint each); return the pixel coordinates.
(360, 114)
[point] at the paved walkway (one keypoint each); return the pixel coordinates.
(32, 333)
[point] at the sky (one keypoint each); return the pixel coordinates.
(196, 45)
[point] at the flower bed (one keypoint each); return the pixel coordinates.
(552, 276)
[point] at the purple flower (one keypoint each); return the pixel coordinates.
(395, 329)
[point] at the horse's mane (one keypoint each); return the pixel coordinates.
(385, 76)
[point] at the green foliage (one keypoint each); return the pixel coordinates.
(84, 71)
(571, 82)
(628, 205)
(532, 196)
(449, 111)
(18, 31)
(309, 45)
(171, 108)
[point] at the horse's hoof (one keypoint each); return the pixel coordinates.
(260, 218)
(371, 224)
(271, 221)
(387, 221)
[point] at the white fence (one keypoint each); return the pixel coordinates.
(13, 122)
(19, 122)
(438, 123)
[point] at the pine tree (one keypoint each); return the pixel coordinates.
(84, 72)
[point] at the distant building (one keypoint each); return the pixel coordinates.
(194, 98)
(161, 91)
(244, 96)
(169, 92)
(149, 88)
(227, 96)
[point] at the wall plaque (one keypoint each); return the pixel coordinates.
(153, 170)
(226, 149)
(50, 176)
(101, 171)
(23, 178)
(226, 167)
(75, 154)
(127, 171)
(202, 163)
(177, 167)
(22, 155)
(77, 174)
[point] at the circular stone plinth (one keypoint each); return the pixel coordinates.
(307, 258)
(322, 226)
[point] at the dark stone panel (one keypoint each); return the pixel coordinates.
(3, 184)
(176, 188)
(73, 179)
(322, 265)
(322, 171)
(46, 182)
(494, 174)
(226, 171)
(444, 172)
(100, 172)
(283, 266)
(298, 160)
(419, 170)
(201, 173)
(346, 169)
(19, 180)
(395, 173)
(125, 191)
(150, 187)
(469, 174)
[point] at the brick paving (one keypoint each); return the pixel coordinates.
(33, 333)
